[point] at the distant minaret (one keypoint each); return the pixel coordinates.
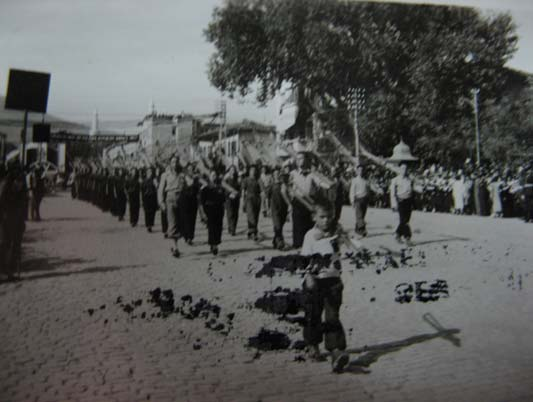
(94, 126)
(152, 108)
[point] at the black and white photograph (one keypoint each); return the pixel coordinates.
(266, 201)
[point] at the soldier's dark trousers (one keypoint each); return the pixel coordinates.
(174, 227)
(360, 206)
(215, 220)
(325, 296)
(232, 213)
(164, 222)
(149, 216)
(134, 211)
(121, 207)
(404, 210)
(253, 207)
(279, 217)
(302, 221)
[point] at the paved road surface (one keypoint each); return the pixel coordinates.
(52, 349)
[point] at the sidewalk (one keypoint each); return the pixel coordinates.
(52, 348)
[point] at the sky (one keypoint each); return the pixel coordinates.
(119, 56)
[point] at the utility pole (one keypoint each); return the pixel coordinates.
(475, 100)
(222, 125)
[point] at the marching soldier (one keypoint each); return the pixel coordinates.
(189, 204)
(252, 201)
(233, 199)
(212, 198)
(170, 188)
(302, 186)
(279, 203)
(359, 194)
(120, 194)
(402, 196)
(164, 221)
(149, 198)
(133, 189)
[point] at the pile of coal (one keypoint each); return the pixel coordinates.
(362, 258)
(281, 301)
(290, 263)
(164, 300)
(383, 261)
(406, 292)
(269, 340)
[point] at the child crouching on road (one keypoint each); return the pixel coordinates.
(322, 288)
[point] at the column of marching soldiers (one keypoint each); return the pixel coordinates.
(212, 191)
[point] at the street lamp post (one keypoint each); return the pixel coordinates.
(359, 104)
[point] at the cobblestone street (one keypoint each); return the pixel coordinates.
(64, 337)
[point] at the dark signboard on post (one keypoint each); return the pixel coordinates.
(27, 91)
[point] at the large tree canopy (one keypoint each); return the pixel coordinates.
(416, 63)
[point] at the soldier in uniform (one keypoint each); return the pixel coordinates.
(233, 200)
(189, 204)
(120, 194)
(170, 188)
(359, 194)
(302, 186)
(252, 201)
(402, 194)
(149, 198)
(212, 198)
(279, 204)
(133, 189)
(164, 220)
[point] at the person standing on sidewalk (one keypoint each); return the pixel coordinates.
(149, 197)
(359, 193)
(170, 188)
(323, 288)
(35, 184)
(252, 201)
(13, 202)
(402, 199)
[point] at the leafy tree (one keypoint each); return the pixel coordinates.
(416, 63)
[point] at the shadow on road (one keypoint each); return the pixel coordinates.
(66, 219)
(232, 252)
(48, 263)
(91, 270)
(371, 354)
